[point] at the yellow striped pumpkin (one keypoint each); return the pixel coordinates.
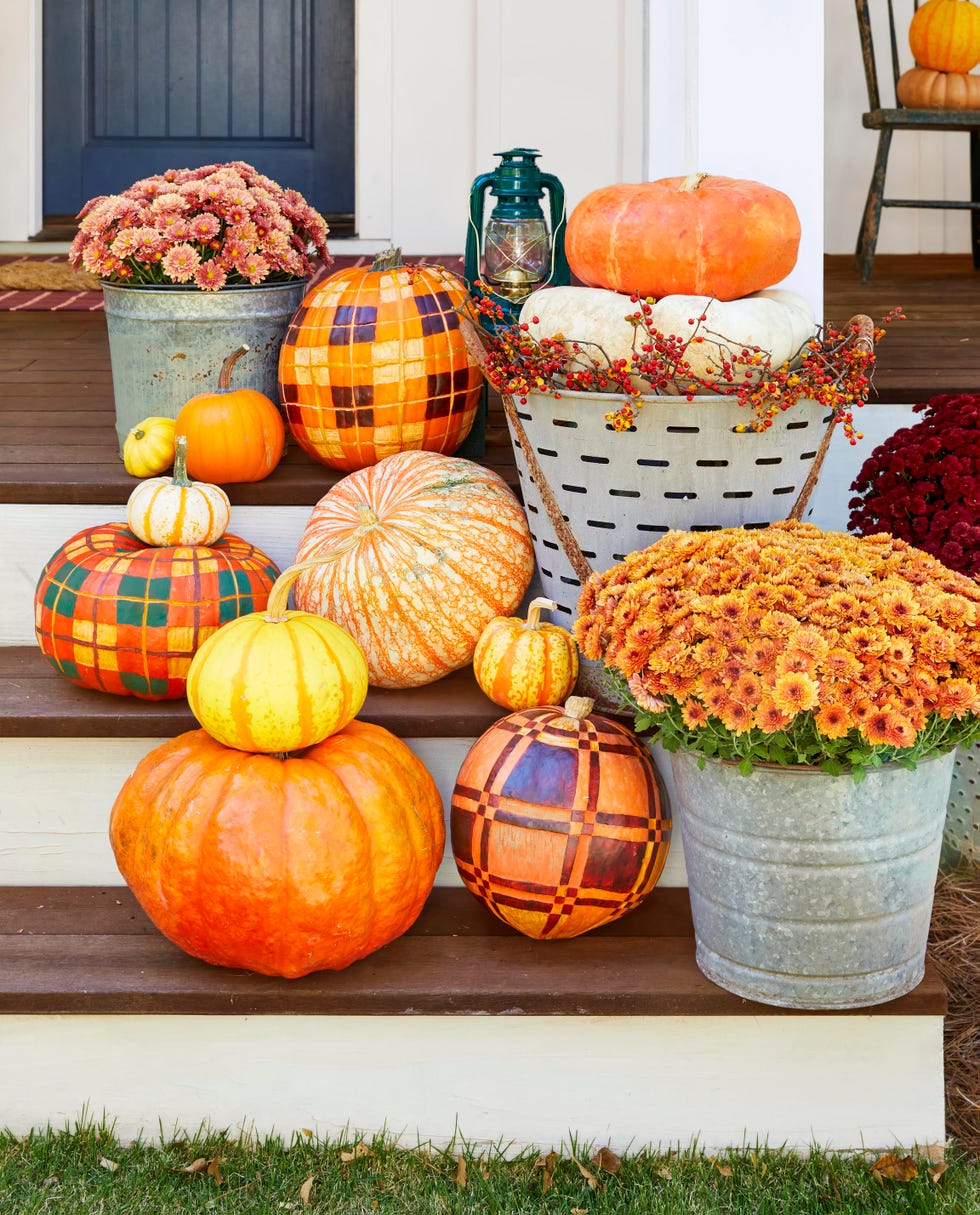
(165, 511)
(522, 664)
(419, 552)
(277, 681)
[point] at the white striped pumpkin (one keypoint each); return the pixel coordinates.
(165, 511)
(433, 548)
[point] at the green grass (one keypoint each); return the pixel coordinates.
(87, 1170)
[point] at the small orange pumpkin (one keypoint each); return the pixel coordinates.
(945, 35)
(520, 664)
(695, 235)
(926, 89)
(280, 864)
(374, 363)
(557, 824)
(233, 434)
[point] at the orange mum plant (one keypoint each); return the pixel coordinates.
(790, 645)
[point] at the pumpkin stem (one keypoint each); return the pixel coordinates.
(692, 182)
(534, 611)
(179, 475)
(579, 707)
(275, 610)
(224, 376)
(388, 259)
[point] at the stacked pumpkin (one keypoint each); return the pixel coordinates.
(700, 246)
(944, 36)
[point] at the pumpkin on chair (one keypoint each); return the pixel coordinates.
(945, 35)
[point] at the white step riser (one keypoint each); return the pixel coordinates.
(515, 1081)
(57, 794)
(33, 532)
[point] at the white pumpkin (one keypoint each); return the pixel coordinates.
(165, 511)
(778, 321)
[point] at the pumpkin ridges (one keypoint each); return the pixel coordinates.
(945, 35)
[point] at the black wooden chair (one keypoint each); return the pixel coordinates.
(901, 118)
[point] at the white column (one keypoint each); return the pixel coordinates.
(20, 105)
(738, 89)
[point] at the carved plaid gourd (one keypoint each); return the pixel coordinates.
(374, 363)
(112, 614)
(557, 824)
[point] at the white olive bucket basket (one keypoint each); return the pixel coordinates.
(684, 465)
(961, 840)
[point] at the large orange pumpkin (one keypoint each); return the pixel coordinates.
(420, 552)
(117, 615)
(556, 822)
(696, 235)
(945, 35)
(374, 362)
(233, 434)
(280, 865)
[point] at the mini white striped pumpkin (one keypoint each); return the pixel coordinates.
(420, 551)
(165, 511)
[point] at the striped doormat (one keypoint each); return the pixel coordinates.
(42, 298)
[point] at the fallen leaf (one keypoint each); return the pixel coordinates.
(894, 1168)
(305, 1190)
(306, 1131)
(460, 1173)
(935, 1153)
(111, 1165)
(196, 1166)
(665, 1173)
(360, 1149)
(607, 1159)
(579, 1211)
(937, 1172)
(589, 1177)
(214, 1170)
(484, 1168)
(724, 1169)
(547, 1165)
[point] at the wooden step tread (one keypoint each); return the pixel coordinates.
(37, 702)
(92, 950)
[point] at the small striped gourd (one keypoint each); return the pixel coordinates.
(149, 447)
(277, 681)
(520, 664)
(440, 546)
(374, 362)
(176, 510)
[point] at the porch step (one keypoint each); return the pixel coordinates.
(462, 1027)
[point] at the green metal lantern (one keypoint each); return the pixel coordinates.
(517, 249)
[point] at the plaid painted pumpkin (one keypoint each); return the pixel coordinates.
(374, 363)
(113, 614)
(557, 824)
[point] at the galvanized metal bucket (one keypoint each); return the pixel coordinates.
(167, 343)
(808, 890)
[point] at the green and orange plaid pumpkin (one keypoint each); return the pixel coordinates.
(557, 822)
(113, 614)
(374, 363)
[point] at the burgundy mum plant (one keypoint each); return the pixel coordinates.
(216, 226)
(922, 485)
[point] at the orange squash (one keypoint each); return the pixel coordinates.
(233, 434)
(557, 823)
(374, 363)
(280, 865)
(420, 552)
(520, 664)
(945, 35)
(925, 89)
(696, 235)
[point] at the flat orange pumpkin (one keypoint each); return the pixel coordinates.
(697, 235)
(279, 865)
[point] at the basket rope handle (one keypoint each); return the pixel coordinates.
(566, 537)
(862, 331)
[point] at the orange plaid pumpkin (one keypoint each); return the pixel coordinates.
(557, 822)
(114, 614)
(374, 363)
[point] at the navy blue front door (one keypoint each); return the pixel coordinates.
(134, 87)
